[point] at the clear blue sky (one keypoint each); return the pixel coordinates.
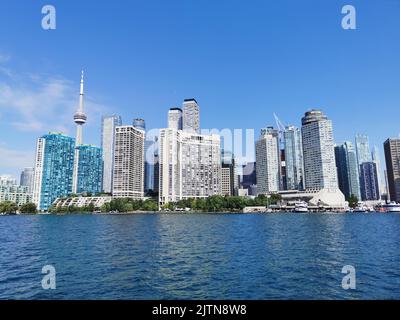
(241, 60)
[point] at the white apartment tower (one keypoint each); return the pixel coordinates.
(175, 118)
(108, 125)
(318, 152)
(128, 173)
(268, 161)
(191, 116)
(190, 165)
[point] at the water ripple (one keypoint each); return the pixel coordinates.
(202, 256)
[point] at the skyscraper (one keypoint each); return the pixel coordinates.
(392, 157)
(54, 164)
(318, 152)
(228, 177)
(268, 161)
(362, 149)
(191, 116)
(128, 178)
(150, 149)
(109, 123)
(347, 168)
(381, 181)
(175, 119)
(156, 181)
(293, 158)
(190, 165)
(26, 178)
(369, 181)
(90, 169)
(139, 123)
(249, 177)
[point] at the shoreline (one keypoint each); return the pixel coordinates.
(193, 212)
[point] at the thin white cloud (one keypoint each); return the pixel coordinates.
(40, 104)
(11, 159)
(37, 104)
(4, 57)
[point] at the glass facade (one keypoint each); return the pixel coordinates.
(293, 158)
(53, 169)
(90, 169)
(369, 181)
(362, 148)
(346, 163)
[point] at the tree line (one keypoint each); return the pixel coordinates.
(11, 207)
(222, 203)
(210, 204)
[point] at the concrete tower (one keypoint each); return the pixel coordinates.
(80, 119)
(79, 116)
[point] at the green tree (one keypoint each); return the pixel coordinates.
(275, 198)
(8, 207)
(28, 208)
(353, 201)
(150, 205)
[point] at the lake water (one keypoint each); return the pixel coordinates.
(200, 256)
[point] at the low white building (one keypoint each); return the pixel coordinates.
(18, 194)
(332, 198)
(81, 202)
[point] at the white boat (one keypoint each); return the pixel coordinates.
(391, 207)
(301, 206)
(361, 208)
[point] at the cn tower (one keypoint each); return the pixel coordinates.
(79, 116)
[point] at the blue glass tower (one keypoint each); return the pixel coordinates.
(54, 166)
(293, 158)
(369, 181)
(90, 169)
(348, 175)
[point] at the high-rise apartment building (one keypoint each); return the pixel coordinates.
(318, 152)
(54, 164)
(347, 168)
(369, 181)
(90, 169)
(108, 125)
(191, 116)
(293, 150)
(229, 181)
(128, 177)
(175, 119)
(392, 157)
(268, 161)
(190, 165)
